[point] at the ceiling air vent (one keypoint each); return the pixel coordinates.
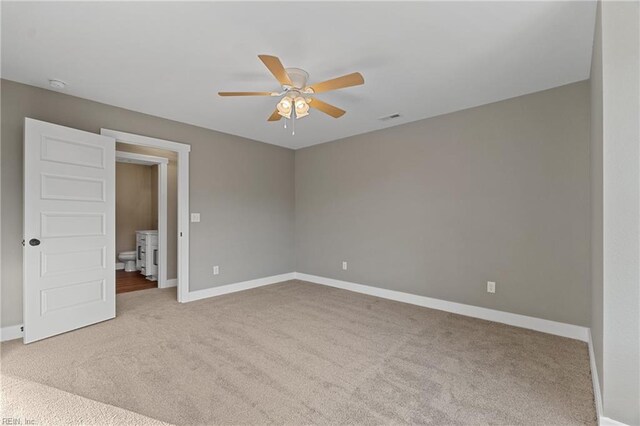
(389, 117)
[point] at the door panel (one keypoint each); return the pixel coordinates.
(69, 229)
(62, 262)
(74, 152)
(67, 224)
(75, 188)
(73, 295)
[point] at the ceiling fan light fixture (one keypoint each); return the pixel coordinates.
(300, 102)
(297, 94)
(285, 114)
(302, 108)
(284, 106)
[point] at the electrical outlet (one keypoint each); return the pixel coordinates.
(344, 266)
(491, 287)
(195, 217)
(216, 270)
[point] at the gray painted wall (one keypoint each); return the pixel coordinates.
(620, 303)
(242, 188)
(411, 208)
(440, 206)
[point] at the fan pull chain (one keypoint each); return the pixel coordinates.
(293, 124)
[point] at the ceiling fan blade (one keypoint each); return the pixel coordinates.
(329, 109)
(275, 116)
(276, 68)
(353, 79)
(246, 94)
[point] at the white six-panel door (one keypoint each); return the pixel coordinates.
(69, 229)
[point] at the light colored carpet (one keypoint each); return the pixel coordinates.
(32, 403)
(300, 353)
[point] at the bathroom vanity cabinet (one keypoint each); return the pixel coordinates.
(147, 254)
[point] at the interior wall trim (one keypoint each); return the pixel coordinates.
(546, 326)
(240, 286)
(173, 282)
(517, 320)
(11, 332)
(606, 421)
(597, 395)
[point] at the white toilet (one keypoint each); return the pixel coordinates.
(129, 259)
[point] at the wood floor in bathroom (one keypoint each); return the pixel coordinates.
(132, 281)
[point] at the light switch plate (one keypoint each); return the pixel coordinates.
(195, 217)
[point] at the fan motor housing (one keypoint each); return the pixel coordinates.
(298, 77)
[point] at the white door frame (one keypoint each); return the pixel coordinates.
(183, 197)
(161, 162)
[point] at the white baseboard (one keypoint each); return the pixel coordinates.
(606, 421)
(171, 283)
(597, 395)
(10, 333)
(538, 324)
(232, 288)
(532, 323)
(119, 266)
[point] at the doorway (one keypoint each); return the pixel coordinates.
(142, 213)
(182, 193)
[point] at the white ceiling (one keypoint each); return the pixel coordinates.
(419, 59)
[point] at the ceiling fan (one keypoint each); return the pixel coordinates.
(297, 96)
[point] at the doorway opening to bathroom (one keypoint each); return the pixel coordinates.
(173, 205)
(146, 185)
